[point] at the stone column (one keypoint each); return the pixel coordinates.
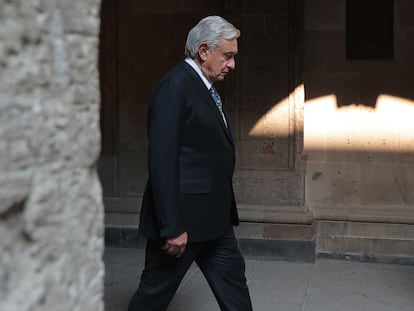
(51, 215)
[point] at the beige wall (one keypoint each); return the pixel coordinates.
(51, 214)
(359, 134)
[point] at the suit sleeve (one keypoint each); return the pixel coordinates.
(166, 119)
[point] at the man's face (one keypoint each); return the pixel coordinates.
(217, 64)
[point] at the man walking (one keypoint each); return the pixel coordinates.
(189, 209)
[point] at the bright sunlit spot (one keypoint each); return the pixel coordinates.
(386, 128)
(274, 122)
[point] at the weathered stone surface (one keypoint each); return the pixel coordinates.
(357, 134)
(365, 239)
(51, 215)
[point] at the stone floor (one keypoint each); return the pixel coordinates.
(326, 285)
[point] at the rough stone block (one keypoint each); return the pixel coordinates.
(51, 212)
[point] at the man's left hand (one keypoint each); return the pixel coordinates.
(175, 246)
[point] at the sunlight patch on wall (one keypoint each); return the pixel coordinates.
(273, 123)
(386, 128)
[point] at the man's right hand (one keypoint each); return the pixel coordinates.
(175, 246)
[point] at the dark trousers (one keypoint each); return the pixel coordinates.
(220, 261)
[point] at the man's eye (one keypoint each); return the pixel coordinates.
(228, 56)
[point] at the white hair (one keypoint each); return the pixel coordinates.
(209, 30)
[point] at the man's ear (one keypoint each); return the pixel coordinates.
(202, 51)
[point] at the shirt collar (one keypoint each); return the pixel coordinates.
(193, 64)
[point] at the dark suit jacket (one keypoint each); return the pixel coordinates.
(191, 162)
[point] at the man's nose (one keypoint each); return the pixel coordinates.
(231, 63)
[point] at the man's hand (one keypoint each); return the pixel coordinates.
(175, 246)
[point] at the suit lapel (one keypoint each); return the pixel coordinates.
(228, 129)
(208, 99)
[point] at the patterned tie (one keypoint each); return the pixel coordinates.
(218, 102)
(217, 99)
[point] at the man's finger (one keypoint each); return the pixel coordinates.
(170, 250)
(181, 251)
(165, 247)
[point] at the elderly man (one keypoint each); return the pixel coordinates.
(189, 209)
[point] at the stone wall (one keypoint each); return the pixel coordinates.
(51, 215)
(350, 188)
(359, 136)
